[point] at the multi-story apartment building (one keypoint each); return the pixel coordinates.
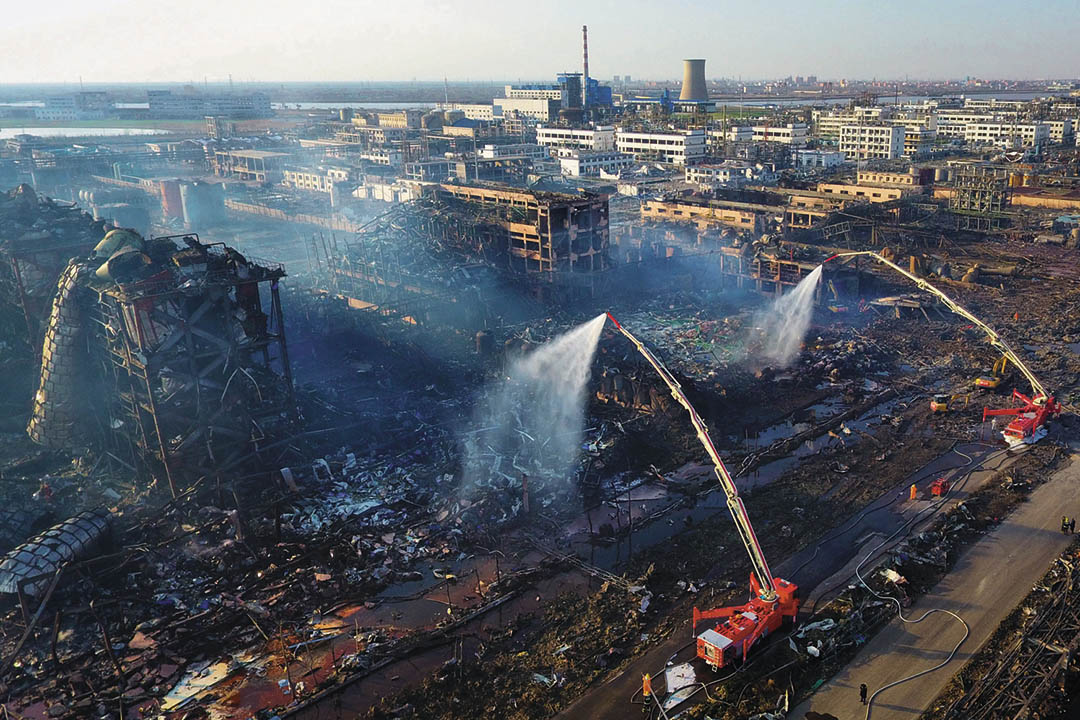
(872, 142)
(683, 147)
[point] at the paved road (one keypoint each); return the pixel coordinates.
(988, 581)
(816, 571)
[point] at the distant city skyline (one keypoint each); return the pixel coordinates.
(116, 41)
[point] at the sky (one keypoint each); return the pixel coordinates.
(385, 40)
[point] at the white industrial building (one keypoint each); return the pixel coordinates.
(601, 137)
(382, 156)
(472, 111)
(575, 162)
(548, 92)
(729, 172)
(872, 142)
(827, 123)
(543, 109)
(490, 152)
(79, 106)
(1061, 130)
(817, 158)
(317, 179)
(794, 134)
(733, 134)
(682, 147)
(1004, 134)
(166, 104)
(918, 141)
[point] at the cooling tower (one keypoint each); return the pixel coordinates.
(693, 81)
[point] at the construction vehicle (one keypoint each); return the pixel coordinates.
(1032, 416)
(996, 377)
(943, 402)
(774, 601)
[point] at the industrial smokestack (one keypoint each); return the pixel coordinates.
(585, 70)
(693, 81)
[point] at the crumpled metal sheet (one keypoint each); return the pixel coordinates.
(41, 556)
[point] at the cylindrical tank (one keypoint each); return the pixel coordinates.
(124, 215)
(172, 204)
(432, 121)
(345, 114)
(204, 204)
(939, 174)
(693, 83)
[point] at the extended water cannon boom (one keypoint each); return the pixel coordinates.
(734, 502)
(773, 600)
(1039, 397)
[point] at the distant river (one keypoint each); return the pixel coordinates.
(8, 133)
(367, 105)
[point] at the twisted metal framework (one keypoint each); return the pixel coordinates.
(1030, 667)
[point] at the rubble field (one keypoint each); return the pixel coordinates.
(345, 561)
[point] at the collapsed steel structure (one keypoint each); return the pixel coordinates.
(187, 347)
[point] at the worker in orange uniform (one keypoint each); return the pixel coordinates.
(646, 689)
(914, 492)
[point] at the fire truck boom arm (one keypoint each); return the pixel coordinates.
(995, 339)
(734, 502)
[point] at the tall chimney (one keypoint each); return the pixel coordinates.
(585, 73)
(693, 81)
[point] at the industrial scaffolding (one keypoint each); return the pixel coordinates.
(980, 198)
(199, 372)
(447, 256)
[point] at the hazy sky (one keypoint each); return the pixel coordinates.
(179, 40)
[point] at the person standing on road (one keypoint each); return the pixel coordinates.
(1064, 524)
(862, 693)
(1072, 525)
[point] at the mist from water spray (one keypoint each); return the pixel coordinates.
(532, 421)
(787, 319)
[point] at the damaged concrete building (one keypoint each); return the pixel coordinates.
(552, 245)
